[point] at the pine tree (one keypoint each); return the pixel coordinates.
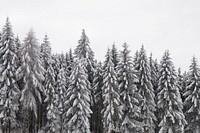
(83, 51)
(146, 90)
(129, 93)
(78, 101)
(61, 89)
(135, 58)
(51, 99)
(154, 71)
(98, 99)
(112, 112)
(32, 73)
(180, 83)
(45, 52)
(172, 119)
(9, 91)
(191, 102)
(71, 58)
(114, 53)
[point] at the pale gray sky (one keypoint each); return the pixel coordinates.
(158, 24)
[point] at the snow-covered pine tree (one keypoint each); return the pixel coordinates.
(129, 93)
(61, 88)
(146, 90)
(184, 85)
(9, 91)
(135, 58)
(180, 83)
(78, 101)
(154, 71)
(115, 56)
(83, 51)
(71, 58)
(51, 99)
(172, 119)
(192, 94)
(32, 73)
(67, 60)
(45, 52)
(112, 112)
(98, 100)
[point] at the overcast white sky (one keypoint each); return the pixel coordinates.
(158, 24)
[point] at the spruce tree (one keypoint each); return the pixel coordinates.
(51, 99)
(9, 91)
(78, 101)
(114, 53)
(145, 88)
(45, 52)
(172, 119)
(112, 112)
(32, 73)
(192, 94)
(129, 93)
(61, 89)
(180, 83)
(154, 71)
(98, 100)
(83, 51)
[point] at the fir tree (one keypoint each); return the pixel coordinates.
(192, 94)
(154, 71)
(135, 59)
(129, 93)
(83, 51)
(51, 99)
(78, 101)
(32, 73)
(45, 52)
(61, 89)
(180, 83)
(71, 58)
(114, 53)
(146, 90)
(172, 119)
(112, 113)
(9, 91)
(98, 100)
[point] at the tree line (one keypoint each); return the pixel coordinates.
(74, 93)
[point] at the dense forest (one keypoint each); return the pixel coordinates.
(42, 92)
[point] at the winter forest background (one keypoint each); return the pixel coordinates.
(74, 93)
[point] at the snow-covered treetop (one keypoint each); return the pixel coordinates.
(83, 50)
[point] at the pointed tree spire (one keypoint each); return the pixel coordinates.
(145, 88)
(169, 103)
(129, 92)
(9, 91)
(112, 113)
(78, 101)
(114, 53)
(191, 103)
(32, 73)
